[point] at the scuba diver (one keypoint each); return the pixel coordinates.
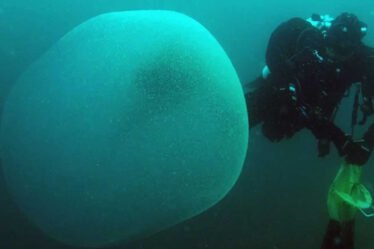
(310, 66)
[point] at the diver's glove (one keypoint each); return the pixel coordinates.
(356, 152)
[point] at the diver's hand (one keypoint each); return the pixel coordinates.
(356, 152)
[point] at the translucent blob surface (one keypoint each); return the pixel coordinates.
(134, 121)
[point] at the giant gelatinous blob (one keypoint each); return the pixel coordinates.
(134, 121)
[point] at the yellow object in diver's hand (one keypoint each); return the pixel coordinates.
(347, 194)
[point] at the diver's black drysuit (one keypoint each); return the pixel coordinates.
(303, 90)
(305, 86)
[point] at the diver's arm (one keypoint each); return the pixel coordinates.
(367, 80)
(353, 151)
(326, 129)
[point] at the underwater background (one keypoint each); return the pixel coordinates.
(279, 201)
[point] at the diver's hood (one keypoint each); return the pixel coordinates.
(346, 31)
